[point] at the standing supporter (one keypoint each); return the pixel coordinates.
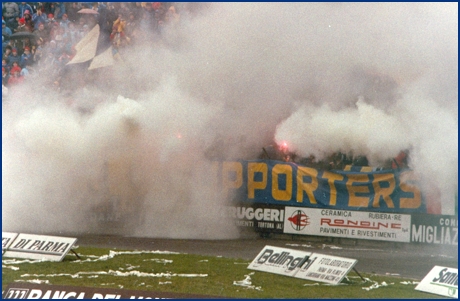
(156, 5)
(72, 12)
(49, 7)
(10, 12)
(24, 72)
(137, 9)
(400, 161)
(54, 30)
(6, 31)
(49, 61)
(123, 9)
(13, 58)
(28, 21)
(64, 23)
(23, 7)
(51, 21)
(37, 51)
(146, 25)
(64, 58)
(171, 16)
(42, 32)
(118, 34)
(80, 28)
(15, 76)
(26, 58)
(5, 76)
(5, 64)
(72, 32)
(38, 18)
(22, 26)
(131, 29)
(7, 53)
(59, 10)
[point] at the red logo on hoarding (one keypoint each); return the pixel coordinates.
(299, 220)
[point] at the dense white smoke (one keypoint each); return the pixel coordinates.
(372, 78)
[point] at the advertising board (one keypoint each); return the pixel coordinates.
(441, 281)
(46, 291)
(303, 265)
(434, 229)
(259, 217)
(326, 268)
(7, 239)
(280, 261)
(41, 247)
(347, 224)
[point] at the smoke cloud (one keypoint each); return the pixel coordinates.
(371, 78)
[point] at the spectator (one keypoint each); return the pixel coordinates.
(24, 72)
(13, 58)
(54, 31)
(80, 27)
(400, 161)
(118, 34)
(131, 27)
(23, 7)
(72, 32)
(7, 53)
(42, 33)
(171, 16)
(6, 32)
(64, 22)
(26, 58)
(64, 58)
(5, 65)
(5, 76)
(51, 21)
(38, 18)
(37, 51)
(28, 21)
(15, 76)
(4, 92)
(22, 26)
(49, 8)
(10, 12)
(72, 12)
(59, 10)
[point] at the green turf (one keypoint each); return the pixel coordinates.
(195, 274)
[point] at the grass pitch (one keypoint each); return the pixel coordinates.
(195, 274)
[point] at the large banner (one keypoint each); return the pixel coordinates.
(289, 184)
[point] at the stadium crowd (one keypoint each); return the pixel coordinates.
(39, 38)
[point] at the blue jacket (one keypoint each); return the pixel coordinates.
(23, 8)
(14, 58)
(26, 60)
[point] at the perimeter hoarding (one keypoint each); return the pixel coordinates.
(348, 224)
(441, 281)
(302, 265)
(7, 240)
(434, 229)
(326, 268)
(43, 247)
(259, 217)
(279, 261)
